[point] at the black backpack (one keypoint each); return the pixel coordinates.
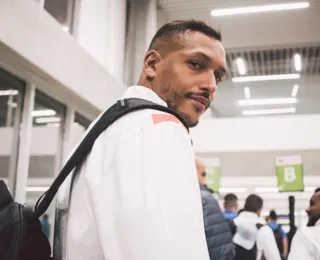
(21, 237)
(279, 239)
(242, 253)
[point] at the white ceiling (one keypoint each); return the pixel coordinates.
(267, 43)
(250, 31)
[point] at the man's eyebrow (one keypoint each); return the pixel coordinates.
(222, 69)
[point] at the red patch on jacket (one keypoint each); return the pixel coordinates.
(161, 118)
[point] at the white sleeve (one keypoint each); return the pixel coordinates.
(153, 208)
(268, 244)
(298, 249)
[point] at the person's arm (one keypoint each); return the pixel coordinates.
(299, 248)
(284, 242)
(268, 244)
(285, 247)
(155, 210)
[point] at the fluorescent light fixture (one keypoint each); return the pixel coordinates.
(36, 189)
(297, 62)
(65, 28)
(225, 190)
(39, 113)
(266, 189)
(48, 120)
(241, 66)
(312, 189)
(8, 92)
(266, 77)
(269, 111)
(259, 9)
(295, 90)
(275, 189)
(247, 92)
(266, 101)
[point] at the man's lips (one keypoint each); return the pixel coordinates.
(204, 101)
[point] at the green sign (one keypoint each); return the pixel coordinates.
(289, 171)
(213, 174)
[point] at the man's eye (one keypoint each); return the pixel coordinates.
(196, 65)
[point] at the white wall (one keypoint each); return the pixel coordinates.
(33, 42)
(257, 134)
(100, 28)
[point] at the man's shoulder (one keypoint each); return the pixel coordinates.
(143, 122)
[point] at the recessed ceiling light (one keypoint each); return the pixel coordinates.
(241, 66)
(9, 92)
(266, 101)
(269, 111)
(297, 62)
(47, 112)
(65, 28)
(41, 120)
(295, 90)
(247, 92)
(259, 9)
(265, 77)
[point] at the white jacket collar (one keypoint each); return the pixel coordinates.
(317, 223)
(144, 93)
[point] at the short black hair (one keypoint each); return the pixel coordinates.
(253, 203)
(178, 27)
(273, 215)
(229, 200)
(230, 197)
(317, 190)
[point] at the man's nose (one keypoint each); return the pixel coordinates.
(210, 84)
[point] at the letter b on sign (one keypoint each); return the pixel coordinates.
(289, 174)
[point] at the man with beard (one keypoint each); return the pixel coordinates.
(306, 242)
(136, 196)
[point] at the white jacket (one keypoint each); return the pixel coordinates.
(136, 197)
(247, 235)
(306, 244)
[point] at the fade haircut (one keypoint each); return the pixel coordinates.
(230, 200)
(253, 203)
(174, 30)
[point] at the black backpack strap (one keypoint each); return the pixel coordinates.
(258, 225)
(121, 108)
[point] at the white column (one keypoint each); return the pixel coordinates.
(142, 27)
(24, 146)
(99, 27)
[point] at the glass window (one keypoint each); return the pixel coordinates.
(11, 96)
(46, 142)
(62, 11)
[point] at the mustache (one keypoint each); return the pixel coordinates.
(203, 94)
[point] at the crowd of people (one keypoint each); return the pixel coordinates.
(244, 234)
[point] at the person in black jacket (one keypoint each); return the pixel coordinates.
(218, 234)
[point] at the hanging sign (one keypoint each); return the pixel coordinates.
(289, 171)
(213, 173)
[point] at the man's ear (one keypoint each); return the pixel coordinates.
(151, 60)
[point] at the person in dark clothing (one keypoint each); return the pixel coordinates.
(218, 234)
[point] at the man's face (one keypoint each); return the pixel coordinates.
(187, 77)
(201, 170)
(314, 209)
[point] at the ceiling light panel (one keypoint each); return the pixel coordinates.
(265, 78)
(289, 110)
(241, 66)
(259, 9)
(297, 62)
(295, 90)
(267, 101)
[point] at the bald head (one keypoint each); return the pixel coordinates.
(201, 170)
